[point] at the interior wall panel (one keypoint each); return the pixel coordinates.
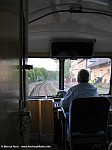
(10, 43)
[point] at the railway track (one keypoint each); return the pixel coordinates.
(47, 88)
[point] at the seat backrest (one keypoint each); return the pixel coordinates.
(89, 115)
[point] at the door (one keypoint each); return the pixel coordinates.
(13, 50)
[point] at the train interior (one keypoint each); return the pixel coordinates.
(43, 45)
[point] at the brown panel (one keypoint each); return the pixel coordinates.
(33, 106)
(46, 117)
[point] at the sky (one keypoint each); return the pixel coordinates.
(46, 63)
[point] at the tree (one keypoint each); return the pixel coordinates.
(42, 74)
(66, 68)
(31, 75)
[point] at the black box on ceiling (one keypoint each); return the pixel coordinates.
(72, 48)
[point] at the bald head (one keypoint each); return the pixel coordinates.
(83, 76)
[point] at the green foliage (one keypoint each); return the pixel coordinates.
(42, 74)
(66, 68)
(31, 75)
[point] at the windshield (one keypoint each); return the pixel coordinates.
(43, 79)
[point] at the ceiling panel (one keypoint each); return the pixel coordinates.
(54, 19)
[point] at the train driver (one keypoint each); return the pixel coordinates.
(81, 90)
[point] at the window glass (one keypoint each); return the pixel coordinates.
(43, 79)
(99, 69)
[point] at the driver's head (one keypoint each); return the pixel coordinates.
(83, 76)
